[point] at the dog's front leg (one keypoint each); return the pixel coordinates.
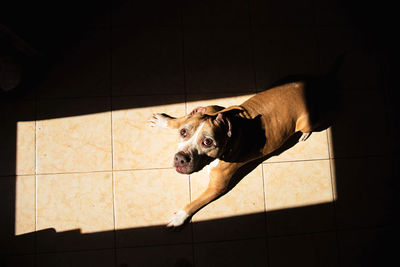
(220, 177)
(162, 120)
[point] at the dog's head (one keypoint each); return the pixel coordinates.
(203, 138)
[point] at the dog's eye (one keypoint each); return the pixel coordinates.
(207, 142)
(183, 132)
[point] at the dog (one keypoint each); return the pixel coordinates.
(228, 138)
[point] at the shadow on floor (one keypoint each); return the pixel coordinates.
(354, 230)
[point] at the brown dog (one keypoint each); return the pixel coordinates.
(230, 137)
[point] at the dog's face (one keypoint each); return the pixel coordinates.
(202, 139)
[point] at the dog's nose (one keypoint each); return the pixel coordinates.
(181, 159)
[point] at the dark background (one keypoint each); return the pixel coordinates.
(241, 47)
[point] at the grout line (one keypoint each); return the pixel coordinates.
(318, 159)
(35, 242)
(49, 98)
(185, 93)
(70, 251)
(112, 136)
(113, 184)
(184, 62)
(291, 161)
(88, 172)
(303, 234)
(169, 168)
(265, 218)
(253, 48)
(334, 194)
(186, 112)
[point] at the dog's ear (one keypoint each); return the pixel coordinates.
(221, 118)
(200, 110)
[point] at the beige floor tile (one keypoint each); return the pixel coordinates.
(144, 202)
(79, 203)
(136, 145)
(298, 197)
(368, 246)
(278, 56)
(147, 61)
(245, 198)
(25, 197)
(231, 253)
(84, 70)
(241, 206)
(296, 184)
(351, 135)
(19, 260)
(25, 147)
(365, 192)
(219, 59)
(17, 137)
(175, 255)
(308, 250)
(18, 214)
(73, 135)
(315, 147)
(99, 258)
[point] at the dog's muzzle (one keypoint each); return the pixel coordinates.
(182, 162)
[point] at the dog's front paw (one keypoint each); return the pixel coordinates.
(304, 137)
(178, 219)
(159, 120)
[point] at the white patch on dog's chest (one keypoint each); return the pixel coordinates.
(212, 165)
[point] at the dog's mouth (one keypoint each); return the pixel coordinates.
(188, 169)
(180, 169)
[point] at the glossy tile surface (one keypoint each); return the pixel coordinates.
(85, 199)
(25, 187)
(73, 135)
(245, 198)
(74, 203)
(17, 137)
(296, 184)
(144, 202)
(298, 197)
(136, 145)
(18, 209)
(315, 147)
(245, 202)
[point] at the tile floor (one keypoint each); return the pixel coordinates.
(84, 181)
